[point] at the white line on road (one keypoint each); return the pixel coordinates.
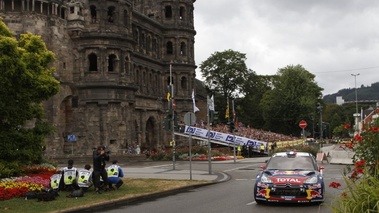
(242, 167)
(248, 204)
(164, 165)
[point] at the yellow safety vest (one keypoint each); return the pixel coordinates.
(112, 171)
(84, 176)
(69, 175)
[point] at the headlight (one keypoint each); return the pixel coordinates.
(265, 178)
(311, 180)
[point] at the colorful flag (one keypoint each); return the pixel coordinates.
(168, 92)
(227, 109)
(195, 109)
(212, 104)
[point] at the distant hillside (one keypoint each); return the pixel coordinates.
(363, 93)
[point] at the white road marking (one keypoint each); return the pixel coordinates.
(248, 204)
(164, 165)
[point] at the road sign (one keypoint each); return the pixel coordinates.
(71, 138)
(302, 124)
(189, 118)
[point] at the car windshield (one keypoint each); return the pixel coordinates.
(286, 163)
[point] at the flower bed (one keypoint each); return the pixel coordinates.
(36, 178)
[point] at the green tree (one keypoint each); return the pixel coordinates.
(224, 74)
(249, 106)
(26, 81)
(293, 98)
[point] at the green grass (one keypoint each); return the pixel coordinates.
(131, 188)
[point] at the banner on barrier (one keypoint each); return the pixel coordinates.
(223, 137)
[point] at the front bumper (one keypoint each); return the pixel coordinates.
(290, 193)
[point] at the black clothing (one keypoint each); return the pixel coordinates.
(99, 169)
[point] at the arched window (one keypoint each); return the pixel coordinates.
(183, 83)
(92, 59)
(182, 12)
(93, 14)
(126, 18)
(154, 46)
(112, 63)
(169, 48)
(111, 14)
(127, 65)
(168, 11)
(148, 44)
(143, 40)
(183, 49)
(138, 77)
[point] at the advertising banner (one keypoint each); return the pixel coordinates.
(223, 137)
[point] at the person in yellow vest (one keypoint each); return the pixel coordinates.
(262, 148)
(85, 178)
(115, 174)
(239, 150)
(55, 181)
(69, 175)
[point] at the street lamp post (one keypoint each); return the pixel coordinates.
(356, 115)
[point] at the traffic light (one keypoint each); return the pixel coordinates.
(176, 126)
(215, 117)
(167, 124)
(231, 126)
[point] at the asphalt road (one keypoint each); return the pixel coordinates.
(233, 195)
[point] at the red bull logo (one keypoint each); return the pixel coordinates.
(264, 192)
(313, 194)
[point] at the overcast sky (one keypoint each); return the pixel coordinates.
(330, 38)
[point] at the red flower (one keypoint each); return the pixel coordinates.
(353, 175)
(347, 126)
(350, 145)
(374, 129)
(334, 185)
(360, 163)
(359, 170)
(358, 137)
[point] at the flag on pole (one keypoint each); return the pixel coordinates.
(195, 109)
(168, 92)
(227, 109)
(212, 104)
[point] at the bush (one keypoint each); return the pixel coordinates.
(360, 195)
(10, 169)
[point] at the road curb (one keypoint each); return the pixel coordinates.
(137, 199)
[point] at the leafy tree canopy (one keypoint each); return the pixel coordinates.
(225, 72)
(293, 98)
(26, 80)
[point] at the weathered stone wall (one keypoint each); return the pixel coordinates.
(113, 62)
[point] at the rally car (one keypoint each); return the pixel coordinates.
(292, 177)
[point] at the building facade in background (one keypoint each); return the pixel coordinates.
(113, 64)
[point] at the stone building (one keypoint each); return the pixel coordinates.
(114, 62)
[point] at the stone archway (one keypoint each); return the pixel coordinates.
(151, 135)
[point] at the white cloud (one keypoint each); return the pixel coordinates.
(331, 39)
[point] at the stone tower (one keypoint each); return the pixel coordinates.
(113, 63)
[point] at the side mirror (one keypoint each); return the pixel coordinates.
(263, 167)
